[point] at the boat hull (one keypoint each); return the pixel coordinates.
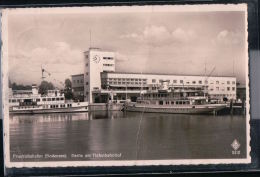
(54, 110)
(201, 109)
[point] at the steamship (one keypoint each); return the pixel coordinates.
(179, 101)
(30, 102)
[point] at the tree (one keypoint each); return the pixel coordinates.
(68, 89)
(45, 86)
(15, 86)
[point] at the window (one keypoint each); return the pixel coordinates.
(86, 83)
(153, 80)
(228, 82)
(181, 81)
(174, 81)
(228, 88)
(108, 58)
(200, 82)
(48, 99)
(107, 64)
(38, 99)
(44, 99)
(86, 73)
(194, 82)
(53, 99)
(217, 88)
(160, 102)
(217, 82)
(233, 88)
(233, 82)
(86, 64)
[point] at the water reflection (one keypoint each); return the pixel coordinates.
(59, 117)
(161, 136)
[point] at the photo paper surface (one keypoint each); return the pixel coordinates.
(125, 85)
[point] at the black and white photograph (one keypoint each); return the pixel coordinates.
(126, 85)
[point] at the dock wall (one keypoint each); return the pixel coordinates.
(105, 106)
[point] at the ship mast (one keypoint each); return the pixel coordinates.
(205, 70)
(49, 75)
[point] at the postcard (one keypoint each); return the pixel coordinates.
(125, 85)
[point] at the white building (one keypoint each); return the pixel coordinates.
(102, 83)
(78, 86)
(97, 61)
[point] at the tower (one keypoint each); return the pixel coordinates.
(96, 62)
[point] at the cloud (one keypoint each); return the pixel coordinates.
(121, 57)
(160, 35)
(58, 58)
(56, 53)
(226, 37)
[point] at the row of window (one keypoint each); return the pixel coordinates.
(126, 79)
(223, 89)
(78, 81)
(222, 95)
(127, 83)
(58, 106)
(38, 99)
(107, 64)
(53, 99)
(191, 82)
(26, 107)
(108, 58)
(175, 102)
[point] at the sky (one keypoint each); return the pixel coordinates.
(165, 42)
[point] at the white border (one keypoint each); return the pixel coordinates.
(113, 9)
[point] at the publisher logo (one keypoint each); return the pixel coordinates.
(235, 145)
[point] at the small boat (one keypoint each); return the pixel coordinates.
(30, 102)
(174, 101)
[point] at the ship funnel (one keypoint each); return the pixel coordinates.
(34, 90)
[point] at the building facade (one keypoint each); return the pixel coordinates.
(102, 83)
(78, 86)
(97, 61)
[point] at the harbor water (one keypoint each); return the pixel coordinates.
(117, 135)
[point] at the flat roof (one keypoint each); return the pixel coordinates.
(77, 75)
(163, 74)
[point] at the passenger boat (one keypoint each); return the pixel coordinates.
(174, 101)
(30, 102)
